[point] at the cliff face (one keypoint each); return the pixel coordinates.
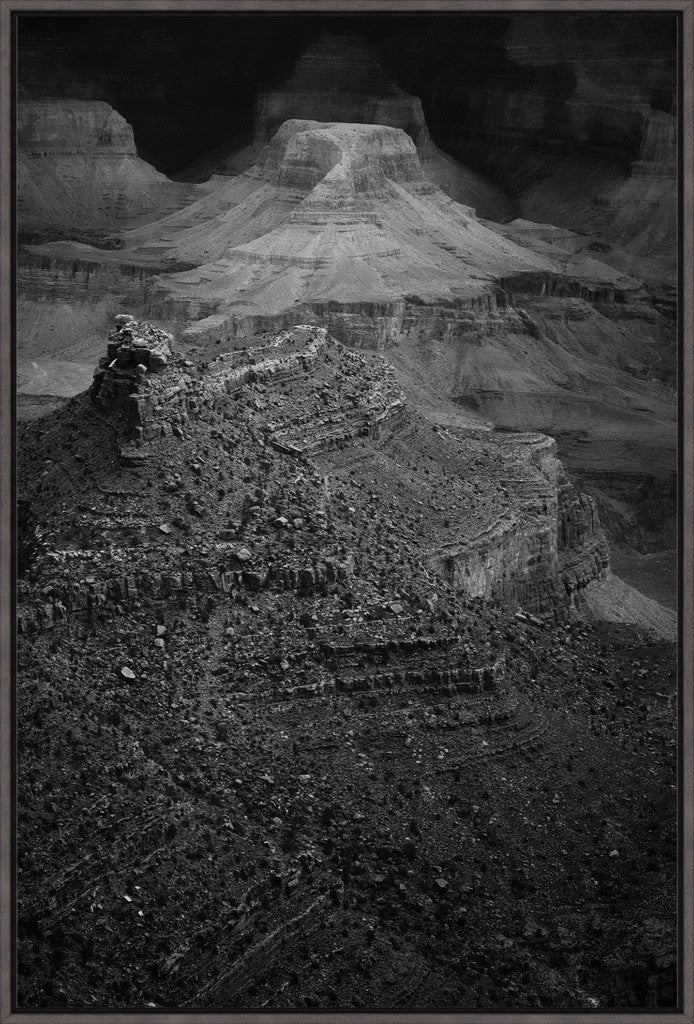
(47, 127)
(586, 80)
(339, 78)
(339, 225)
(504, 525)
(553, 550)
(236, 629)
(79, 175)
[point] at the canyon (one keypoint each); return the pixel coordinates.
(347, 517)
(256, 587)
(519, 324)
(79, 175)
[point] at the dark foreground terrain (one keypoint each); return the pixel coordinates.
(278, 746)
(388, 849)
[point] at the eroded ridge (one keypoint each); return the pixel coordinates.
(286, 638)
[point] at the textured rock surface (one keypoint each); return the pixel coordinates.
(526, 534)
(340, 79)
(339, 224)
(243, 645)
(78, 172)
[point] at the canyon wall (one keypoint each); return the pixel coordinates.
(545, 556)
(575, 117)
(79, 174)
(540, 546)
(583, 80)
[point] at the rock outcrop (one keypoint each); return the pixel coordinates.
(79, 174)
(338, 225)
(526, 535)
(256, 588)
(339, 78)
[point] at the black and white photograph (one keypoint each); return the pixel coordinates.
(348, 365)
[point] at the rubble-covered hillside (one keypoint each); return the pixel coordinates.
(308, 713)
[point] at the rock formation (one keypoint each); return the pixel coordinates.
(339, 78)
(527, 535)
(328, 690)
(351, 203)
(79, 175)
(563, 120)
(338, 225)
(270, 621)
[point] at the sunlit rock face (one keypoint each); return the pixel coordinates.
(332, 215)
(304, 153)
(78, 172)
(72, 126)
(340, 78)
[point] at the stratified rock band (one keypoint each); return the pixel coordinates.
(347, 512)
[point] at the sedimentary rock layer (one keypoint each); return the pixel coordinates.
(338, 225)
(339, 78)
(502, 520)
(79, 175)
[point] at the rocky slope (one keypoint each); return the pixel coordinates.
(253, 637)
(526, 535)
(79, 175)
(573, 117)
(339, 78)
(337, 224)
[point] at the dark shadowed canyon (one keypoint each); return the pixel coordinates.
(347, 482)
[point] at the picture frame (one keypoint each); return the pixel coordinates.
(10, 10)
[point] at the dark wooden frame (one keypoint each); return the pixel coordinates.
(685, 1011)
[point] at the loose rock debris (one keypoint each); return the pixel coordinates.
(314, 731)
